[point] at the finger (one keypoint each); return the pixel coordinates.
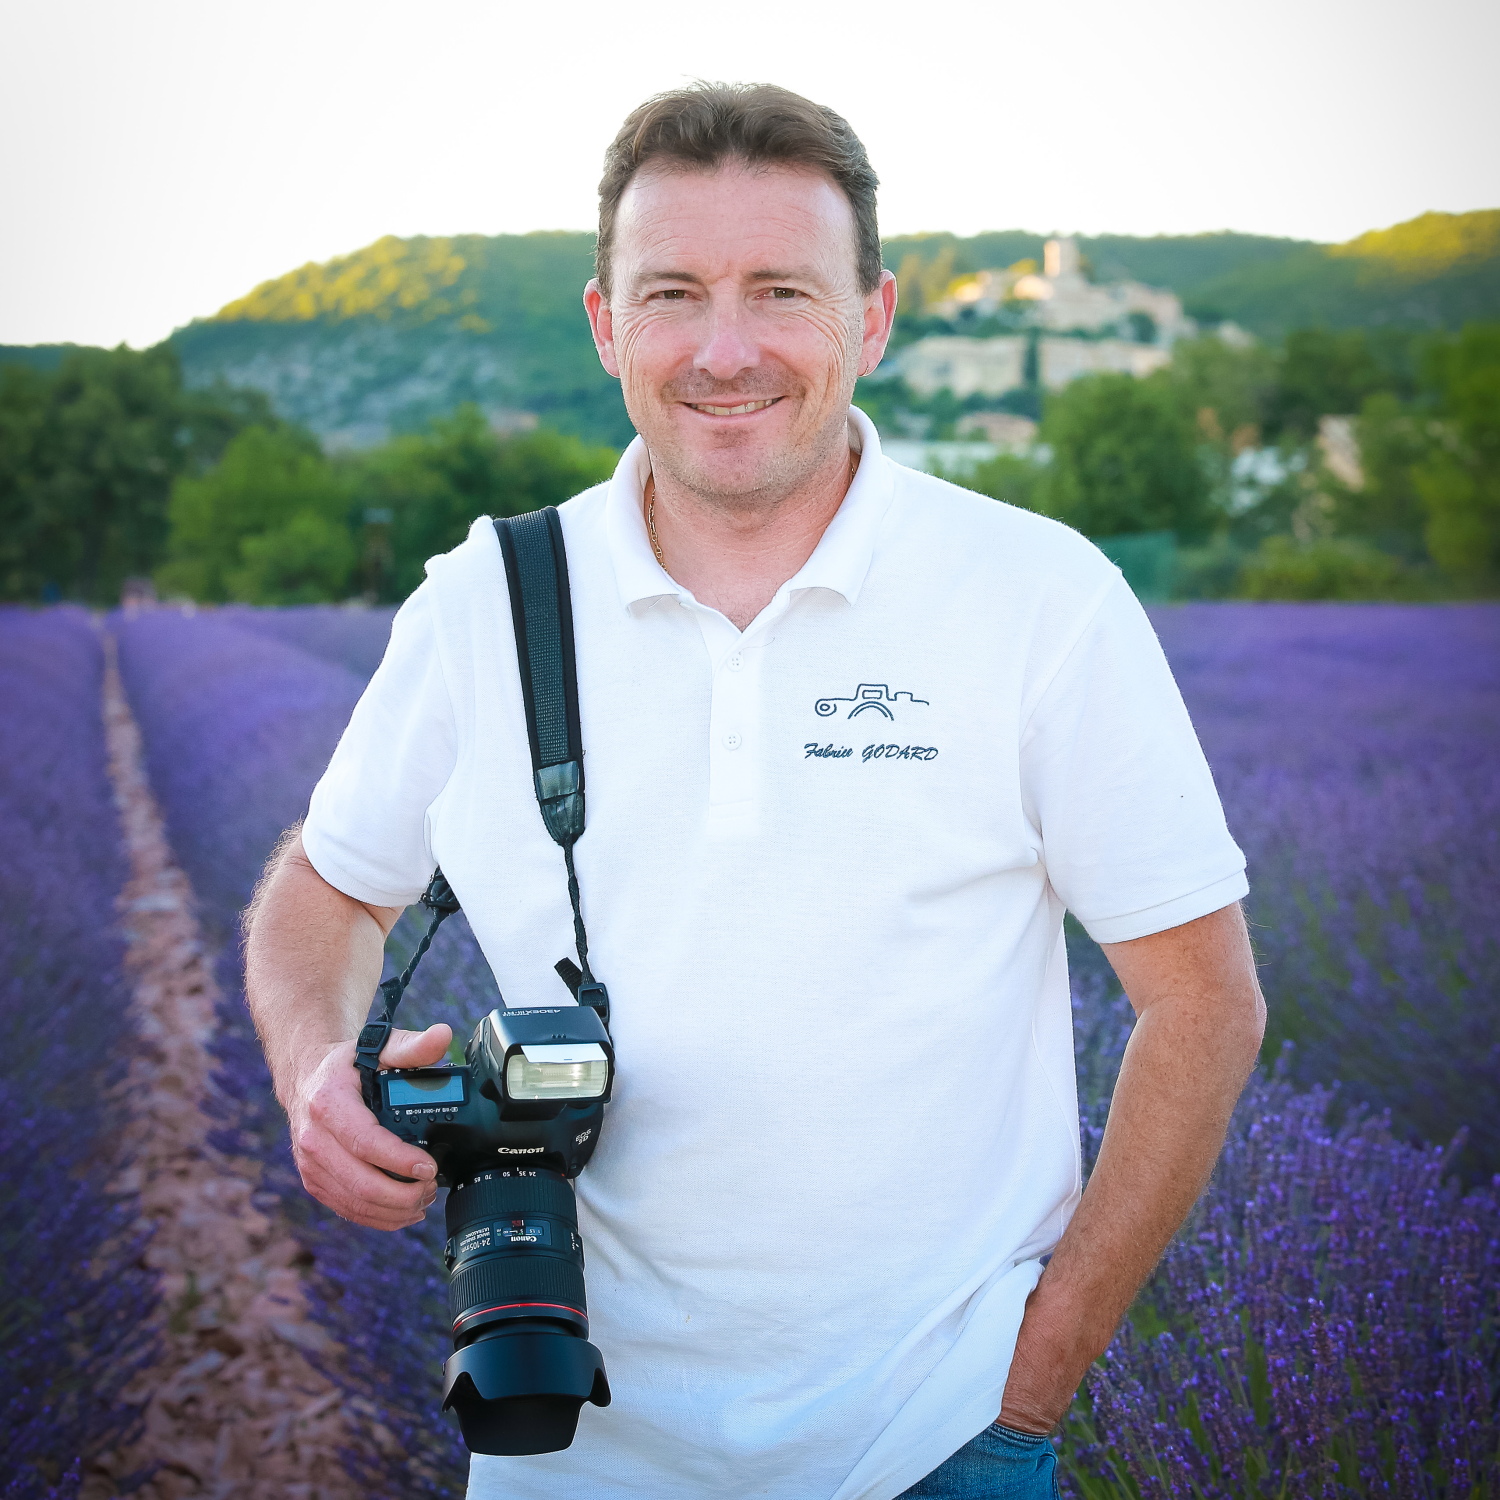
(341, 1113)
(342, 1176)
(358, 1211)
(347, 1207)
(373, 1186)
(364, 1137)
(337, 1162)
(354, 1199)
(417, 1049)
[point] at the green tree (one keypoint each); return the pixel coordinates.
(1323, 373)
(436, 482)
(1387, 508)
(1125, 458)
(308, 559)
(269, 525)
(1459, 481)
(88, 456)
(1227, 389)
(24, 566)
(1325, 568)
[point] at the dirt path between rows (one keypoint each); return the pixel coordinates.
(233, 1409)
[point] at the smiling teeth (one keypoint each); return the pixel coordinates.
(734, 411)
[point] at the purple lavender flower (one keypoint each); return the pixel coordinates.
(352, 638)
(73, 1318)
(1324, 1326)
(1357, 748)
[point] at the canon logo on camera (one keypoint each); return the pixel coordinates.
(518, 1150)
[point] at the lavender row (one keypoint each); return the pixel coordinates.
(75, 1309)
(238, 726)
(348, 637)
(1358, 752)
(1326, 1326)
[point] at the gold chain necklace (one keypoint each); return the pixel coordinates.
(661, 560)
(651, 506)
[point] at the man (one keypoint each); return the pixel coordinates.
(856, 738)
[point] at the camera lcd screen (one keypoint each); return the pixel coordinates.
(432, 1088)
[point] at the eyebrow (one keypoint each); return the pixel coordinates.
(766, 275)
(688, 276)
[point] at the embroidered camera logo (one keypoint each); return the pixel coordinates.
(868, 695)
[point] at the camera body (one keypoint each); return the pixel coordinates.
(508, 1130)
(500, 1109)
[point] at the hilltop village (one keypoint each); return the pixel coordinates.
(1058, 325)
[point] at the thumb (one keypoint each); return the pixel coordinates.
(417, 1049)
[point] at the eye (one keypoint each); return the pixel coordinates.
(671, 294)
(784, 293)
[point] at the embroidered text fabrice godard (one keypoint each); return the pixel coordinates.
(813, 750)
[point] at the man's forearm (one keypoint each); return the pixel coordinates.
(1196, 1039)
(312, 962)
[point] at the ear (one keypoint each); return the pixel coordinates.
(602, 326)
(880, 318)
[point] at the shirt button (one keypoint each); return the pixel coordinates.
(732, 741)
(735, 662)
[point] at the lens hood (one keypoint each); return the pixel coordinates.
(521, 1393)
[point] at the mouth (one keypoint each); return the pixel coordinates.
(744, 409)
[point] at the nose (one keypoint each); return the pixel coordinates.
(727, 345)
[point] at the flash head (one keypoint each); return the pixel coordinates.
(557, 1053)
(575, 1071)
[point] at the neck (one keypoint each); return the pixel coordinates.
(734, 557)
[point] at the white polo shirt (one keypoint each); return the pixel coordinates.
(824, 875)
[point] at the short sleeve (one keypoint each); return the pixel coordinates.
(367, 831)
(1115, 782)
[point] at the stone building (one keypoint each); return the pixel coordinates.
(991, 367)
(986, 367)
(1080, 328)
(1063, 360)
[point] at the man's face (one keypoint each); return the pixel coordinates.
(736, 324)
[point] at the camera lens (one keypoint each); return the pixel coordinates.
(515, 1252)
(523, 1364)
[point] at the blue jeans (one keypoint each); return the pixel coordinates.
(1000, 1464)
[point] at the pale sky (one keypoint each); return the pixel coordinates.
(161, 157)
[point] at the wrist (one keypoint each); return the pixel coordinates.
(300, 1069)
(1058, 1340)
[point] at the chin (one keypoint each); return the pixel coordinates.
(711, 474)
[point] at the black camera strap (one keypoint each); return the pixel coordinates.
(541, 606)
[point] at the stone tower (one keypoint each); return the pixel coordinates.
(1060, 257)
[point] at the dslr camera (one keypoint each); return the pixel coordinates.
(509, 1130)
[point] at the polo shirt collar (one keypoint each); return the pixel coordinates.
(840, 561)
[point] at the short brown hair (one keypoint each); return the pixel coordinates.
(709, 123)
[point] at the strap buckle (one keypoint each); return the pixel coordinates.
(596, 997)
(367, 1049)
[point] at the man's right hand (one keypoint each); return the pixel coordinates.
(338, 1144)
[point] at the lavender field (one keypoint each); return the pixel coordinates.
(1327, 1325)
